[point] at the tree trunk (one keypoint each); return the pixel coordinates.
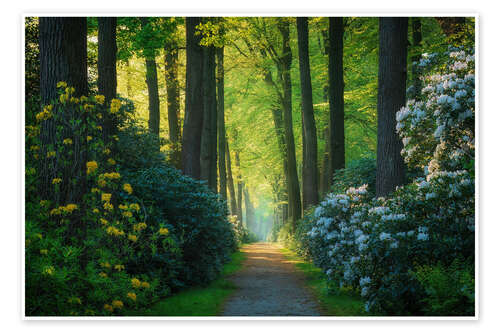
(193, 118)
(310, 144)
(294, 203)
(326, 174)
(415, 59)
(391, 97)
(106, 69)
(240, 187)
(230, 183)
(220, 120)
(173, 98)
(63, 57)
(130, 92)
(336, 93)
(208, 160)
(152, 82)
(249, 211)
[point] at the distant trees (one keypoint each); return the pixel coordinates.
(221, 128)
(393, 39)
(310, 160)
(152, 82)
(193, 119)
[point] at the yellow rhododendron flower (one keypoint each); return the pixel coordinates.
(119, 267)
(108, 307)
(83, 99)
(136, 283)
(74, 100)
(70, 208)
(51, 154)
(123, 207)
(139, 226)
(91, 167)
(95, 210)
(127, 188)
(117, 304)
(132, 296)
(127, 214)
(103, 221)
(106, 197)
(163, 231)
(111, 161)
(108, 206)
(100, 99)
(39, 236)
(115, 105)
(88, 107)
(145, 285)
(63, 98)
(132, 238)
(107, 151)
(89, 138)
(61, 84)
(44, 203)
(56, 181)
(48, 270)
(34, 148)
(103, 275)
(74, 300)
(67, 141)
(56, 211)
(135, 207)
(95, 190)
(105, 264)
(114, 231)
(44, 251)
(99, 128)
(101, 183)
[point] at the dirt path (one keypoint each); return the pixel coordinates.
(269, 285)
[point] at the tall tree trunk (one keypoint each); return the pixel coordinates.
(63, 57)
(415, 59)
(130, 92)
(106, 69)
(221, 127)
(152, 83)
(193, 118)
(326, 174)
(393, 32)
(240, 187)
(208, 156)
(294, 203)
(336, 93)
(310, 143)
(173, 98)
(230, 183)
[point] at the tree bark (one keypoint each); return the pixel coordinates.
(193, 118)
(230, 183)
(336, 93)
(63, 57)
(294, 203)
(393, 33)
(221, 127)
(415, 59)
(106, 70)
(310, 144)
(209, 130)
(240, 187)
(173, 98)
(152, 83)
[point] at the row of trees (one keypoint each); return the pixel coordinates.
(200, 139)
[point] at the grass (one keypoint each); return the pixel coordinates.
(198, 301)
(341, 303)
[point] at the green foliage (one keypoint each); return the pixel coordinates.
(450, 290)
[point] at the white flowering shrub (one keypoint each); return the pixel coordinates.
(438, 131)
(384, 246)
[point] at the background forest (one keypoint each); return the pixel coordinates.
(156, 145)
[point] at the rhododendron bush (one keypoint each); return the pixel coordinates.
(99, 241)
(384, 246)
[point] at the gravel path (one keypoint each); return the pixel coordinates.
(269, 285)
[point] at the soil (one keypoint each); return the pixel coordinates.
(269, 285)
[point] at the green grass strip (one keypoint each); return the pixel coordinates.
(198, 301)
(341, 303)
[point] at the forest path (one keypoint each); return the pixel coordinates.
(269, 285)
